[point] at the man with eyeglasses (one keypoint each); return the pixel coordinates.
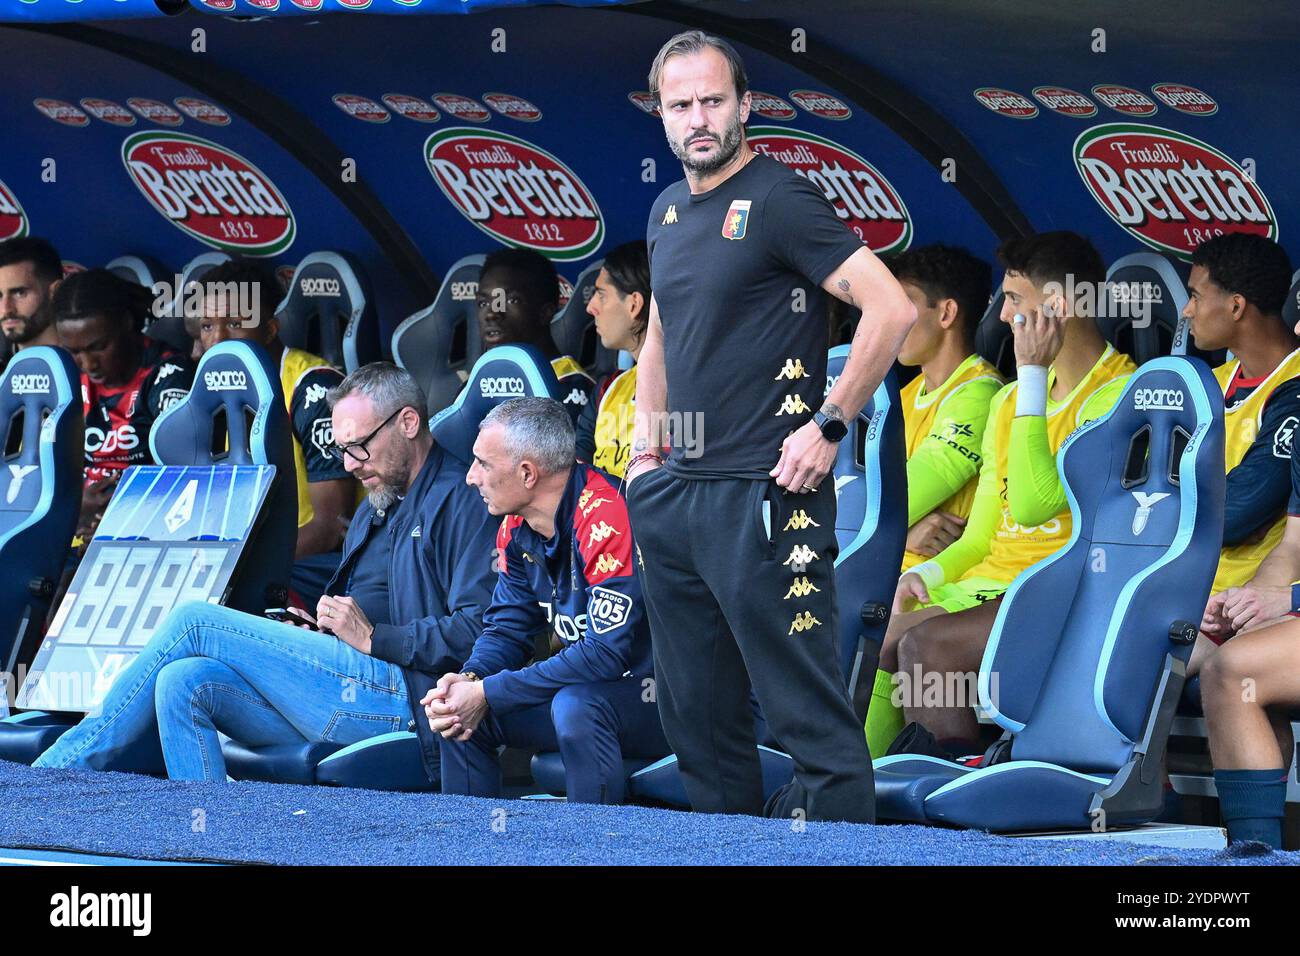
(404, 607)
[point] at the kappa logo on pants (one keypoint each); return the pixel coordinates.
(800, 557)
(799, 521)
(801, 587)
(803, 621)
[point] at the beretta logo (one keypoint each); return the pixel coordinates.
(13, 220)
(219, 4)
(770, 106)
(513, 106)
(202, 110)
(268, 5)
(860, 194)
(516, 192)
(1124, 99)
(412, 107)
(155, 111)
(354, 4)
(821, 104)
(61, 112)
(1066, 102)
(1006, 102)
(462, 107)
(361, 107)
(308, 4)
(1185, 99)
(108, 111)
(209, 192)
(644, 101)
(1168, 189)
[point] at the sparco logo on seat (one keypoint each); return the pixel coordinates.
(319, 287)
(209, 193)
(516, 192)
(502, 387)
(1158, 399)
(30, 384)
(227, 381)
(1168, 189)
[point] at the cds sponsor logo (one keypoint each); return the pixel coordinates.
(462, 107)
(1185, 99)
(513, 106)
(1006, 102)
(770, 106)
(122, 438)
(502, 387)
(516, 192)
(209, 192)
(1169, 190)
(226, 380)
(33, 384)
(108, 111)
(361, 107)
(1159, 399)
(411, 107)
(155, 111)
(13, 218)
(860, 194)
(1124, 99)
(319, 288)
(645, 102)
(61, 112)
(202, 110)
(1058, 99)
(821, 104)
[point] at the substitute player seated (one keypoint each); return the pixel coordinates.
(404, 607)
(239, 302)
(1068, 375)
(945, 409)
(127, 380)
(30, 271)
(620, 304)
(518, 295)
(567, 562)
(1236, 290)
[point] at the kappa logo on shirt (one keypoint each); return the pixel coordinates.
(576, 397)
(670, 216)
(167, 369)
(733, 227)
(793, 369)
(314, 394)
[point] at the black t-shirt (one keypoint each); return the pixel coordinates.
(736, 273)
(368, 578)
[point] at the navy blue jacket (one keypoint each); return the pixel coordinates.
(440, 575)
(583, 581)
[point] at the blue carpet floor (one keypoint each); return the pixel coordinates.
(123, 814)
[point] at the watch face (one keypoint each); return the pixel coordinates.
(832, 429)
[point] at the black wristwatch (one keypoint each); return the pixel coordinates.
(833, 430)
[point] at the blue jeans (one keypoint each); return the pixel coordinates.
(211, 669)
(593, 726)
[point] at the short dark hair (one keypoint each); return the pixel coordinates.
(1052, 256)
(248, 272)
(628, 267)
(126, 305)
(541, 281)
(39, 252)
(948, 272)
(695, 41)
(1254, 267)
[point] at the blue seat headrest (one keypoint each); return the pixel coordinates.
(38, 390)
(1140, 313)
(327, 311)
(993, 339)
(233, 377)
(436, 343)
(500, 374)
(574, 329)
(1291, 308)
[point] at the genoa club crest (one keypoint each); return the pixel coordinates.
(733, 227)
